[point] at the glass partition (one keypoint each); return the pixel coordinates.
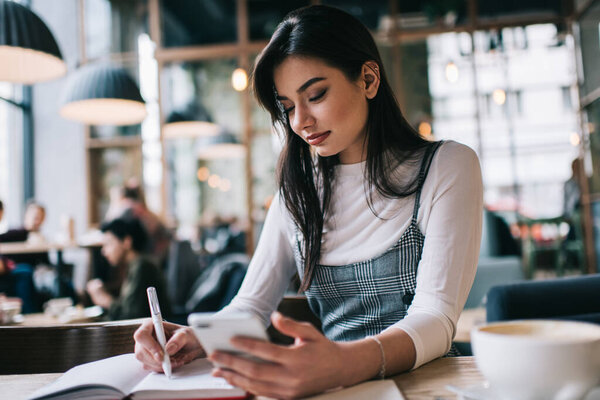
(198, 22)
(508, 95)
(11, 159)
(114, 26)
(112, 167)
(204, 185)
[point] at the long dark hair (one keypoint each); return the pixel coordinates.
(341, 41)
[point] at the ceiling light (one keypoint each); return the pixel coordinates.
(28, 51)
(103, 95)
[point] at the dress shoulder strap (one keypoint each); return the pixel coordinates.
(425, 164)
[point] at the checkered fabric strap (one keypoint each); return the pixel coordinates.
(425, 164)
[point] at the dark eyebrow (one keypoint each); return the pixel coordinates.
(304, 86)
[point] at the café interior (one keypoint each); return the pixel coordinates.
(148, 102)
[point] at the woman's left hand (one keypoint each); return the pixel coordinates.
(310, 365)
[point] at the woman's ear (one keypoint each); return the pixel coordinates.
(371, 77)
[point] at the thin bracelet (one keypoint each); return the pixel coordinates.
(381, 373)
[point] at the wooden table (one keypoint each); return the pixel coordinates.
(41, 319)
(425, 383)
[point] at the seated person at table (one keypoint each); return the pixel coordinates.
(123, 243)
(382, 225)
(16, 270)
(35, 215)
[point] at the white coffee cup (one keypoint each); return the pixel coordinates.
(55, 307)
(538, 359)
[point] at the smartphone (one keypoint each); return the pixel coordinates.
(214, 331)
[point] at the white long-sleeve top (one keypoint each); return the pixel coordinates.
(450, 217)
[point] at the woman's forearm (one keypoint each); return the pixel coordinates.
(363, 358)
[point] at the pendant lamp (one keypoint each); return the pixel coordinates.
(28, 51)
(191, 122)
(103, 95)
(222, 146)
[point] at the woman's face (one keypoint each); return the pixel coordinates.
(324, 108)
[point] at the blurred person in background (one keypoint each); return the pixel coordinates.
(129, 201)
(124, 242)
(33, 219)
(16, 271)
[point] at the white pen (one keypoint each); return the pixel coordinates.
(158, 327)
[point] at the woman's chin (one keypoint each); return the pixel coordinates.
(325, 152)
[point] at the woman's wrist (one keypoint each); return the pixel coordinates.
(361, 361)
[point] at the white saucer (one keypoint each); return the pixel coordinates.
(483, 391)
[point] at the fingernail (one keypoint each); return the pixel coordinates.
(170, 347)
(158, 356)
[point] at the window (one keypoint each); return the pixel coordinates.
(11, 176)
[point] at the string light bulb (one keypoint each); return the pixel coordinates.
(451, 72)
(239, 79)
(203, 174)
(499, 96)
(574, 139)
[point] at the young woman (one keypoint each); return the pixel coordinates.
(383, 226)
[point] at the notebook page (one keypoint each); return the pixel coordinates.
(121, 372)
(385, 389)
(193, 376)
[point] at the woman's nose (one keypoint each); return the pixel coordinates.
(302, 119)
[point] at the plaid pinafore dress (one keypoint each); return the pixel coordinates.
(362, 299)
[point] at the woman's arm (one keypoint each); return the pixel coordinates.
(450, 217)
(267, 278)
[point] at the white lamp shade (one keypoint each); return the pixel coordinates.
(221, 151)
(190, 129)
(27, 66)
(224, 145)
(105, 111)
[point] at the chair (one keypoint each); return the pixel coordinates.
(183, 268)
(218, 283)
(575, 298)
(45, 349)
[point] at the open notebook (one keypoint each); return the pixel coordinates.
(122, 376)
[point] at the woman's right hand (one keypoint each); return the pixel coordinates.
(182, 345)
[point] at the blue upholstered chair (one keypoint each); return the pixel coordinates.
(575, 298)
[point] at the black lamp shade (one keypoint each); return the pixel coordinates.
(103, 95)
(191, 122)
(28, 51)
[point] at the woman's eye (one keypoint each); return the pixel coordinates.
(288, 110)
(318, 96)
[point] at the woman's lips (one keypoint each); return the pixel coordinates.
(317, 138)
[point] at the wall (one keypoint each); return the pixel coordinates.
(60, 171)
